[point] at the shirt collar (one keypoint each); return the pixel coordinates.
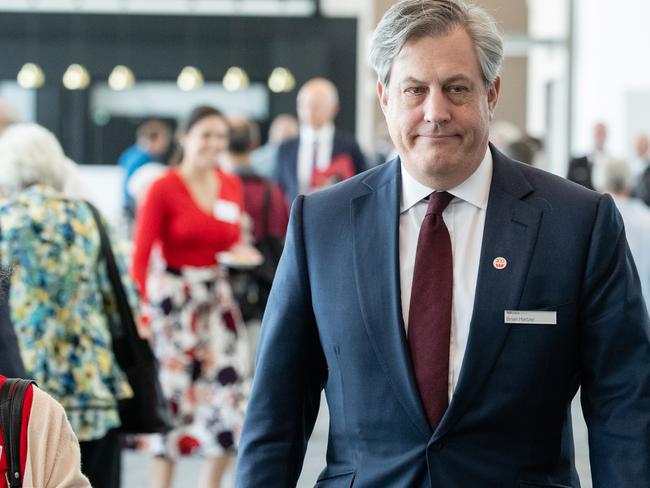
(475, 190)
(324, 133)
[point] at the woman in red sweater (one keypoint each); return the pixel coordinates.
(192, 213)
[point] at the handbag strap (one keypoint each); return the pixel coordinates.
(123, 307)
(12, 395)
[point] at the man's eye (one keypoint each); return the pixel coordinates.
(414, 90)
(457, 89)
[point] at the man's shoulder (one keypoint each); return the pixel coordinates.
(288, 145)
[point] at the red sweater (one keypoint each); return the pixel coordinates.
(278, 213)
(188, 235)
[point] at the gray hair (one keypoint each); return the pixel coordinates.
(612, 175)
(414, 19)
(30, 154)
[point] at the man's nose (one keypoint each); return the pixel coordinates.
(436, 107)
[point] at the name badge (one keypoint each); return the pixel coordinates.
(530, 317)
(226, 211)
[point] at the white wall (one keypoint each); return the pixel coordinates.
(612, 61)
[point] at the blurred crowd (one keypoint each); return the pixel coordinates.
(207, 209)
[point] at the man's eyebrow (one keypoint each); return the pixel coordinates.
(451, 79)
(457, 78)
(411, 79)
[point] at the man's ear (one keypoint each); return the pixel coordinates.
(382, 94)
(493, 94)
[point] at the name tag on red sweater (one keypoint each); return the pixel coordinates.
(226, 211)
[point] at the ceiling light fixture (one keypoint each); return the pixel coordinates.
(235, 79)
(76, 77)
(190, 78)
(281, 80)
(121, 78)
(30, 76)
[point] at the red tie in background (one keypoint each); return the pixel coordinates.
(429, 321)
(314, 165)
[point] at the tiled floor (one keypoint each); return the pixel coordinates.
(136, 465)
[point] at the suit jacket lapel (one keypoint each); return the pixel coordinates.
(511, 228)
(375, 218)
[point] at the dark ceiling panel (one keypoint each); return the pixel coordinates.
(157, 47)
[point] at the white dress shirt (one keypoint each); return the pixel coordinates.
(465, 220)
(308, 138)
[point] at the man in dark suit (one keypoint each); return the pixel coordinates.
(451, 301)
(319, 145)
(581, 168)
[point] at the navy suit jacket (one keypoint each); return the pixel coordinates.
(334, 321)
(286, 167)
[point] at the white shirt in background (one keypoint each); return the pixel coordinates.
(308, 137)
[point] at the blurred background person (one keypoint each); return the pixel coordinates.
(73, 181)
(11, 365)
(641, 160)
(526, 149)
(581, 168)
(614, 176)
(265, 205)
(283, 128)
(152, 142)
(256, 186)
(641, 169)
(143, 178)
(192, 213)
(321, 154)
(520, 150)
(60, 299)
(45, 424)
(504, 132)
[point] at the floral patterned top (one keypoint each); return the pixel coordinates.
(61, 302)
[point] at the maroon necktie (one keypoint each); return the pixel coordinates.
(429, 321)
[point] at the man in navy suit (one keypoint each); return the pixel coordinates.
(581, 168)
(318, 144)
(527, 293)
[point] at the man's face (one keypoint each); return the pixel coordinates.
(158, 145)
(316, 105)
(438, 108)
(600, 136)
(642, 145)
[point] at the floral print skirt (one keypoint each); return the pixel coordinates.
(200, 341)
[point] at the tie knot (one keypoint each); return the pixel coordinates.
(438, 202)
